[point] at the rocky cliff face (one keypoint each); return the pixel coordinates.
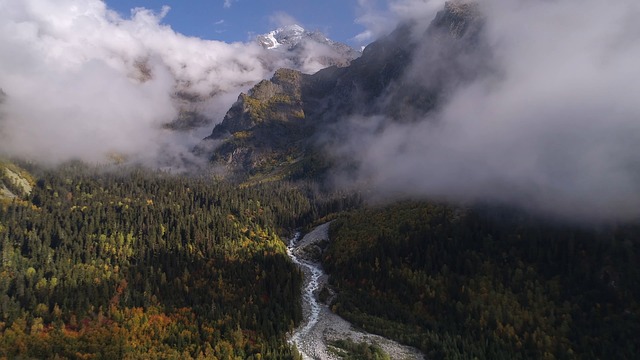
(15, 182)
(401, 77)
(264, 129)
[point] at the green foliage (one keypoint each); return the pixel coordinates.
(276, 100)
(140, 264)
(349, 350)
(458, 284)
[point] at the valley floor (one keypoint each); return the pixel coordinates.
(321, 327)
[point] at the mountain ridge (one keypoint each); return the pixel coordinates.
(290, 46)
(377, 83)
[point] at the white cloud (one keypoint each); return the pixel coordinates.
(379, 21)
(227, 3)
(554, 129)
(82, 82)
(364, 37)
(281, 18)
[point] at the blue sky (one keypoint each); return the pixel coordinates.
(240, 19)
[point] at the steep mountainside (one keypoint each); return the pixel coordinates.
(290, 46)
(275, 127)
(265, 128)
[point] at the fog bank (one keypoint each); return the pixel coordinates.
(554, 127)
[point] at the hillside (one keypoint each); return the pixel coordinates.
(487, 283)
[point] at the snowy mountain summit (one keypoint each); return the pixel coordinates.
(289, 35)
(309, 51)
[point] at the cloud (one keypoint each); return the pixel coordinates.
(381, 17)
(219, 22)
(312, 56)
(553, 128)
(82, 82)
(375, 20)
(363, 37)
(227, 3)
(281, 19)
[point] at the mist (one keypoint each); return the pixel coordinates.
(82, 82)
(551, 126)
(381, 21)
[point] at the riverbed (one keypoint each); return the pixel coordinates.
(320, 326)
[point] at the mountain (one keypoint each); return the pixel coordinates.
(276, 128)
(289, 36)
(307, 51)
(266, 130)
(289, 47)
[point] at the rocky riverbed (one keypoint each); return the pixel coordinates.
(320, 326)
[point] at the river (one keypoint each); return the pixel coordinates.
(320, 325)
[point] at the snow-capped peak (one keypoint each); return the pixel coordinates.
(269, 40)
(308, 51)
(295, 28)
(288, 35)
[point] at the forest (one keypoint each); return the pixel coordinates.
(133, 263)
(130, 263)
(486, 283)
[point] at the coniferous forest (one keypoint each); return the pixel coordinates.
(488, 283)
(144, 264)
(131, 263)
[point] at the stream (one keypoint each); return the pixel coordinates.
(320, 326)
(311, 307)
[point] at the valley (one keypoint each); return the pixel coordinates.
(168, 265)
(321, 328)
(465, 187)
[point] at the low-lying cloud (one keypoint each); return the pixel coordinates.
(554, 127)
(82, 82)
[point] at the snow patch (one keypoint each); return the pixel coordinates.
(272, 42)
